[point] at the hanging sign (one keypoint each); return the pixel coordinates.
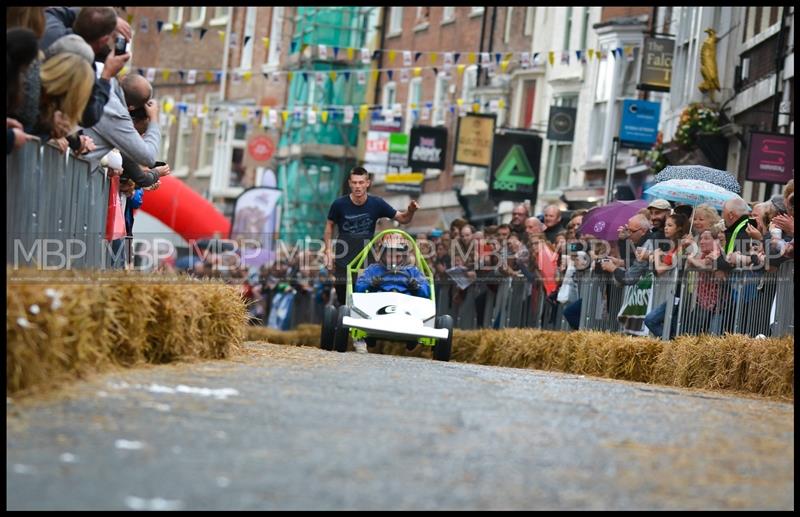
(639, 126)
(427, 148)
(515, 166)
(561, 126)
(771, 158)
(474, 139)
(656, 74)
(260, 148)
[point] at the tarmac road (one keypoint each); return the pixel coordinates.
(301, 428)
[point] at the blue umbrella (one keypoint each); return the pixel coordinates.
(717, 177)
(691, 192)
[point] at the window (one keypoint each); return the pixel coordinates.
(529, 13)
(166, 129)
(238, 144)
(197, 16)
(509, 17)
(448, 14)
(175, 16)
(247, 48)
(470, 82)
(439, 99)
(395, 21)
(414, 97)
(476, 11)
(568, 28)
(184, 147)
(585, 31)
(220, 16)
(422, 14)
(208, 140)
(530, 98)
(559, 157)
(275, 34)
(389, 95)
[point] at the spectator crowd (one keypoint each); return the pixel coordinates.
(64, 86)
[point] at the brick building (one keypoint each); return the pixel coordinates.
(205, 130)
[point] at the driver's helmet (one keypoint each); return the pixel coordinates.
(394, 253)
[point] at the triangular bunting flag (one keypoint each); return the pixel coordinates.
(392, 54)
(433, 58)
(324, 114)
(285, 116)
(591, 54)
(406, 58)
(497, 56)
(390, 73)
(362, 112)
(417, 71)
(305, 76)
(350, 53)
(551, 56)
(265, 41)
(221, 35)
(246, 39)
(504, 65)
(416, 56)
(456, 56)
(289, 76)
(460, 69)
(332, 75)
(247, 75)
(346, 75)
(376, 75)
(159, 25)
(578, 55)
(181, 73)
(471, 58)
(210, 77)
(335, 52)
(501, 103)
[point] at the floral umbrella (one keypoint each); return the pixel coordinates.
(699, 172)
(691, 192)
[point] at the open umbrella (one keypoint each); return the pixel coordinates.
(603, 221)
(692, 192)
(717, 177)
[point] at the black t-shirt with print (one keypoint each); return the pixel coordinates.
(356, 224)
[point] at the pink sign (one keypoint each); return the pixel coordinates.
(771, 158)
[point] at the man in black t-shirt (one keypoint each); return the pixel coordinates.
(355, 216)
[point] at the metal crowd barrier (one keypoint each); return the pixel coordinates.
(56, 209)
(744, 302)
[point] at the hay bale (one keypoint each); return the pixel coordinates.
(62, 325)
(729, 363)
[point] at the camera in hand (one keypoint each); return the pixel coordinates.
(138, 113)
(574, 247)
(120, 45)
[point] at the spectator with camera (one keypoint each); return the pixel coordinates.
(106, 33)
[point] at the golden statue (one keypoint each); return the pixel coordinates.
(708, 64)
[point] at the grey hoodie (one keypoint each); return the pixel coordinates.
(115, 130)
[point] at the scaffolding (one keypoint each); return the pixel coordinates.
(317, 156)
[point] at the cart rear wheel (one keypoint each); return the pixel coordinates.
(328, 333)
(442, 348)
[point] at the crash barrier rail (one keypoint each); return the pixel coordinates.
(745, 302)
(56, 209)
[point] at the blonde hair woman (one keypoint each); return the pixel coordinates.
(67, 82)
(705, 217)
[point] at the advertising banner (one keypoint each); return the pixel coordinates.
(260, 149)
(255, 218)
(515, 166)
(771, 158)
(427, 148)
(474, 139)
(376, 152)
(639, 126)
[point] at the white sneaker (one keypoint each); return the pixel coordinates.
(360, 346)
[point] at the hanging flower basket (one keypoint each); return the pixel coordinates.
(694, 119)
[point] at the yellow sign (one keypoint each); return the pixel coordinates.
(406, 177)
(474, 141)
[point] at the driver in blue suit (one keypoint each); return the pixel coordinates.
(393, 273)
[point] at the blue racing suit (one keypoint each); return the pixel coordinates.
(393, 282)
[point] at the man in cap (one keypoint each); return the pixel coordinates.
(659, 210)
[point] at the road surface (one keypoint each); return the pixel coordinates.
(300, 428)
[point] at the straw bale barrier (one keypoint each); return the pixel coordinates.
(65, 325)
(732, 362)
